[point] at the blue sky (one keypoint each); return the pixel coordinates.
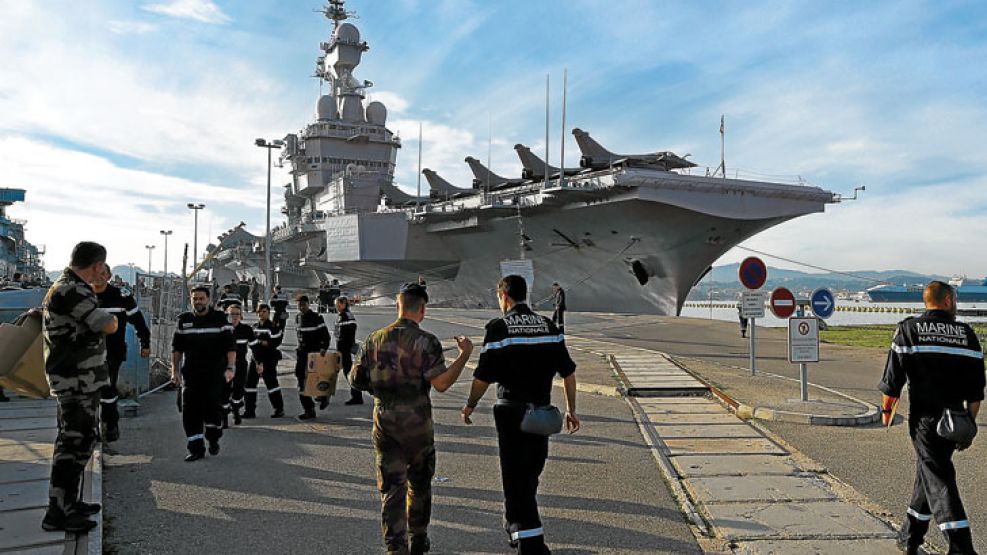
(114, 114)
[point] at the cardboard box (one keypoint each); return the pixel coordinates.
(321, 376)
(22, 363)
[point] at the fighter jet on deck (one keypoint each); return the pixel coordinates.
(484, 177)
(441, 189)
(534, 167)
(596, 157)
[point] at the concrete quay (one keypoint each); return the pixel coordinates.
(27, 435)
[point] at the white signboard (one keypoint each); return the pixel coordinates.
(803, 340)
(523, 268)
(752, 304)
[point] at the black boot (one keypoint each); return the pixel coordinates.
(323, 402)
(236, 417)
(86, 509)
(960, 542)
(56, 519)
(420, 545)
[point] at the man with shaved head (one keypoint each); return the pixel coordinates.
(941, 361)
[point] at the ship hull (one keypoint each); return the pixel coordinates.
(600, 254)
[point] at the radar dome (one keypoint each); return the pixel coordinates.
(347, 32)
(376, 113)
(325, 108)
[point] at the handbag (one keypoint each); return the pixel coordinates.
(543, 421)
(957, 426)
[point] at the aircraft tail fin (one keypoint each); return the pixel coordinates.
(439, 185)
(483, 175)
(591, 148)
(534, 167)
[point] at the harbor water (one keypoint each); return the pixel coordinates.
(849, 313)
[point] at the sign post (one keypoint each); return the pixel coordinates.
(803, 335)
(803, 347)
(753, 273)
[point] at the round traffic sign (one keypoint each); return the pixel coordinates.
(753, 273)
(823, 303)
(803, 328)
(782, 303)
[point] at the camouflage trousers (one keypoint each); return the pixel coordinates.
(405, 466)
(73, 446)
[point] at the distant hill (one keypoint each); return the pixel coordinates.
(725, 283)
(121, 270)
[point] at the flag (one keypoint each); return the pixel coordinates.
(721, 125)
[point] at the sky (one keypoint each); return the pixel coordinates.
(114, 114)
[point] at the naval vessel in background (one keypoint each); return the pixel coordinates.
(622, 233)
(22, 273)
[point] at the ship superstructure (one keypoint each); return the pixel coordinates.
(626, 233)
(18, 257)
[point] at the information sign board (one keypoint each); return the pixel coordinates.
(752, 304)
(803, 340)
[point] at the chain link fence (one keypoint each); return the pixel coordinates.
(162, 300)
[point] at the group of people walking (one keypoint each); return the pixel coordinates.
(219, 361)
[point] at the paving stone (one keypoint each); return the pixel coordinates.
(15, 424)
(737, 446)
(24, 495)
(667, 418)
(721, 489)
(22, 529)
(674, 400)
(736, 521)
(716, 465)
(699, 430)
(680, 408)
(818, 547)
(46, 435)
(27, 413)
(25, 452)
(24, 471)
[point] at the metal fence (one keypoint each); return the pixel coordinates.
(162, 300)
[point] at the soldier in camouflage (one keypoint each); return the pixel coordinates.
(399, 366)
(75, 363)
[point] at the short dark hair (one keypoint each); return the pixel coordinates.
(301, 298)
(936, 292)
(200, 289)
(87, 253)
(343, 301)
(263, 306)
(514, 286)
(411, 302)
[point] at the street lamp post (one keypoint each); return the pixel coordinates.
(166, 234)
(269, 145)
(149, 249)
(195, 207)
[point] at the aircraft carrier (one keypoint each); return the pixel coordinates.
(622, 233)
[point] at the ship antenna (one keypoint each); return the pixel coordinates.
(565, 87)
(723, 160)
(418, 201)
(547, 77)
(489, 149)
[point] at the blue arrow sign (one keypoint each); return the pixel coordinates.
(823, 303)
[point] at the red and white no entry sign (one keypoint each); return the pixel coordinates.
(782, 303)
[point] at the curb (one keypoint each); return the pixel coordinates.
(95, 536)
(870, 415)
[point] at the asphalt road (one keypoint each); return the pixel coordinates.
(283, 486)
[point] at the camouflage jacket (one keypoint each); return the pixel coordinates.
(397, 365)
(74, 346)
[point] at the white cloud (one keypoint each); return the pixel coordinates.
(130, 27)
(199, 10)
(73, 196)
(394, 102)
(934, 229)
(106, 96)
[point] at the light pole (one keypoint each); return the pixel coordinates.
(149, 249)
(195, 207)
(166, 234)
(276, 144)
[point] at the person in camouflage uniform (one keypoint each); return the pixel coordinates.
(399, 365)
(75, 330)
